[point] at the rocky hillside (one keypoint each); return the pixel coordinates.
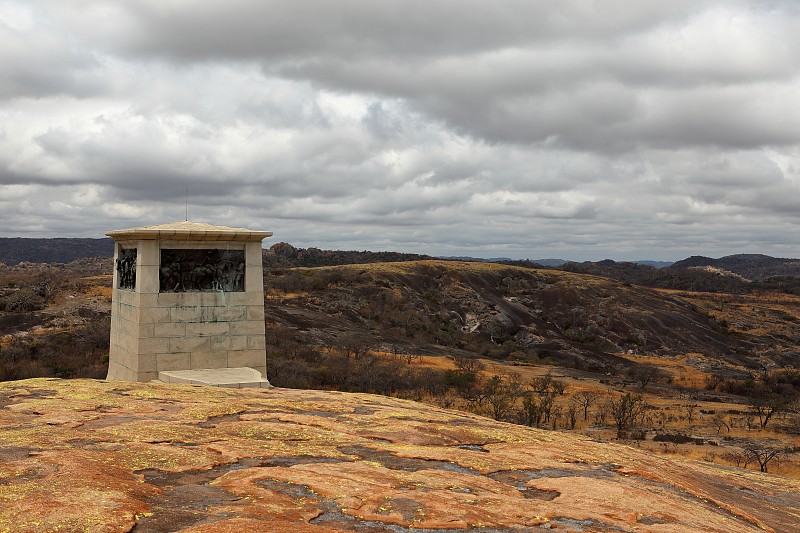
(697, 274)
(694, 278)
(494, 310)
(84, 455)
(751, 266)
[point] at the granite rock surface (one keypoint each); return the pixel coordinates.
(85, 455)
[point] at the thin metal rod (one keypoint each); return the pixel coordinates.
(187, 204)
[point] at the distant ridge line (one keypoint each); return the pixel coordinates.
(15, 250)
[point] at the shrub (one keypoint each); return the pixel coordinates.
(638, 434)
(677, 438)
(78, 353)
(24, 300)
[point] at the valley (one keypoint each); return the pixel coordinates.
(548, 348)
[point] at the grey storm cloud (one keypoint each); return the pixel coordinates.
(519, 128)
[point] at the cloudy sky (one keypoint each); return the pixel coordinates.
(580, 129)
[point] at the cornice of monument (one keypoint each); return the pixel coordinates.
(189, 231)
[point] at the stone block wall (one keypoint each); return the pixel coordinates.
(152, 331)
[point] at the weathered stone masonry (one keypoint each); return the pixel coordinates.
(154, 331)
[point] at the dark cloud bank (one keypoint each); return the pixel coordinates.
(519, 128)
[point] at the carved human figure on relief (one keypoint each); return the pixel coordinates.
(126, 269)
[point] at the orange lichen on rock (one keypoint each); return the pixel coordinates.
(72, 492)
(422, 499)
(105, 456)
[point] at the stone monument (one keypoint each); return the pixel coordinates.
(187, 296)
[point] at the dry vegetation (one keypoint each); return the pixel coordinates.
(54, 320)
(675, 372)
(699, 405)
(686, 420)
(772, 316)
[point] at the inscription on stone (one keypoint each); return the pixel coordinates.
(126, 268)
(201, 270)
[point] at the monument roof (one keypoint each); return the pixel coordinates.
(189, 231)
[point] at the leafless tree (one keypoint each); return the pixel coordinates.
(531, 411)
(555, 415)
(447, 400)
(586, 398)
(515, 386)
(498, 397)
(410, 357)
(627, 411)
(749, 421)
(538, 400)
(602, 411)
(767, 402)
(691, 410)
(572, 414)
(468, 364)
(355, 345)
(719, 422)
(763, 453)
(737, 457)
(547, 384)
(645, 375)
(547, 388)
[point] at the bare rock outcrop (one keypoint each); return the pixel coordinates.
(110, 456)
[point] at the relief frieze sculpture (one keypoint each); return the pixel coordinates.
(189, 270)
(126, 268)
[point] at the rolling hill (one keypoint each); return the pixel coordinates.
(497, 310)
(60, 250)
(751, 266)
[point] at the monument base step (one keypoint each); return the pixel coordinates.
(236, 378)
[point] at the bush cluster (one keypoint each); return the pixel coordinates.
(22, 300)
(677, 438)
(78, 353)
